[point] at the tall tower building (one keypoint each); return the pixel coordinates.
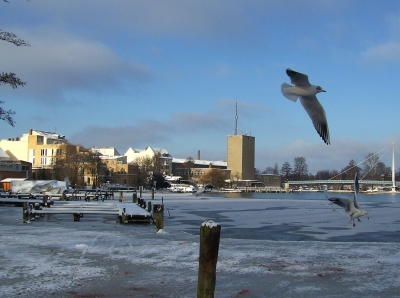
(241, 154)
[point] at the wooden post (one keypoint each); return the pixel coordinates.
(134, 197)
(209, 244)
(124, 218)
(149, 206)
(25, 212)
(121, 197)
(140, 190)
(44, 200)
(158, 216)
(77, 217)
(152, 193)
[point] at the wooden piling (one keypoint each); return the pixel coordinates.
(134, 197)
(123, 218)
(77, 217)
(140, 190)
(158, 216)
(121, 197)
(149, 206)
(25, 212)
(152, 193)
(209, 244)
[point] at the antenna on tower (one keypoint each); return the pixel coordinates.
(236, 119)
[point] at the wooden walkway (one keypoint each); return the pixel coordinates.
(126, 212)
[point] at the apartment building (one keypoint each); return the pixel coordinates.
(38, 148)
(163, 158)
(118, 171)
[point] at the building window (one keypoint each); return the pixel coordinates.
(40, 139)
(43, 161)
(43, 152)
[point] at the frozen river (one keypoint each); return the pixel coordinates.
(272, 245)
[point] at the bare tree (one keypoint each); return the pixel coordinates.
(9, 78)
(286, 170)
(214, 176)
(145, 166)
(373, 168)
(323, 175)
(350, 170)
(268, 170)
(276, 170)
(235, 178)
(300, 167)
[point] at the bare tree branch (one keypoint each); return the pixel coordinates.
(12, 38)
(10, 79)
(6, 115)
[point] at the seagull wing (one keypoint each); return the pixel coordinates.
(356, 189)
(347, 204)
(317, 114)
(208, 186)
(200, 191)
(297, 78)
(190, 182)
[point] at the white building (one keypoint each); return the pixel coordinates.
(106, 151)
(165, 157)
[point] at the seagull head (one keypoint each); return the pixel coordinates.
(319, 89)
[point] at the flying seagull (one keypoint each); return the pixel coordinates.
(201, 189)
(303, 89)
(352, 209)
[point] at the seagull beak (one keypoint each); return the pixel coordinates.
(322, 90)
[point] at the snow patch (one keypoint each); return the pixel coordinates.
(82, 246)
(210, 224)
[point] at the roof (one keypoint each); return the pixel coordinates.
(13, 179)
(3, 155)
(219, 163)
(49, 135)
(163, 152)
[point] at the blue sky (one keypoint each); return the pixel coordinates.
(168, 73)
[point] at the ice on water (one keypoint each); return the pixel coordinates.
(281, 246)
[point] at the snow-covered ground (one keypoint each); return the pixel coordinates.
(279, 246)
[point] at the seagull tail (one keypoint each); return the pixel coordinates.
(285, 89)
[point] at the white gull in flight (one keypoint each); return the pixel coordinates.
(199, 190)
(303, 89)
(352, 209)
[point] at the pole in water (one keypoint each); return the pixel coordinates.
(158, 216)
(209, 244)
(393, 172)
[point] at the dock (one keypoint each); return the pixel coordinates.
(127, 212)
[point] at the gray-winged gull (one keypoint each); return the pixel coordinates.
(201, 189)
(303, 89)
(352, 209)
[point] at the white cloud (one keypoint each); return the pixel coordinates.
(152, 131)
(387, 52)
(57, 63)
